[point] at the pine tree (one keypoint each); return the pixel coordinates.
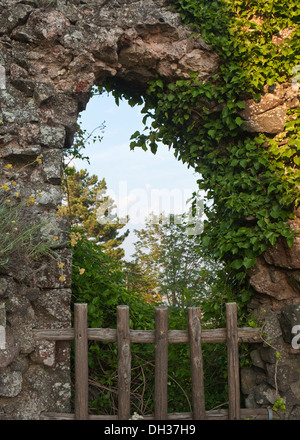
(90, 210)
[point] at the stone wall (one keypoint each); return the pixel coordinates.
(276, 305)
(51, 54)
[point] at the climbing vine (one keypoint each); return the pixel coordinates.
(252, 178)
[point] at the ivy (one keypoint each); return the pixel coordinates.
(251, 180)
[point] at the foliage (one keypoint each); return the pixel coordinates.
(174, 261)
(250, 178)
(190, 277)
(138, 279)
(85, 203)
(16, 238)
(102, 279)
(87, 206)
(279, 404)
(102, 285)
(20, 235)
(260, 172)
(82, 139)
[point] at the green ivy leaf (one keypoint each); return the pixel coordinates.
(239, 121)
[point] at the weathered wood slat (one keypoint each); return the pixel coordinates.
(161, 364)
(233, 361)
(81, 361)
(194, 327)
(218, 414)
(208, 336)
(124, 362)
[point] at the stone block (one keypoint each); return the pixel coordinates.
(270, 122)
(10, 384)
(52, 137)
(23, 321)
(11, 350)
(248, 380)
(50, 196)
(282, 255)
(54, 231)
(268, 354)
(32, 293)
(52, 166)
(285, 376)
(271, 281)
(289, 317)
(3, 286)
(256, 359)
(44, 353)
(54, 303)
(48, 274)
(42, 93)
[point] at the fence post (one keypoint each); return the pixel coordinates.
(161, 364)
(81, 361)
(233, 362)
(198, 396)
(124, 362)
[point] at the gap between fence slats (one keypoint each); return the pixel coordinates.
(194, 329)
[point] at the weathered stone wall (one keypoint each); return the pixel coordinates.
(53, 52)
(276, 363)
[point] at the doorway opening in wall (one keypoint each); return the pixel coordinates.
(136, 241)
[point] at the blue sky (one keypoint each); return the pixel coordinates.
(139, 182)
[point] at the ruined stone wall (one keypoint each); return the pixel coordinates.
(51, 54)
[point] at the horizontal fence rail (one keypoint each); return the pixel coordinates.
(195, 336)
(214, 414)
(208, 336)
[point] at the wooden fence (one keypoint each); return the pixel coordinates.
(161, 337)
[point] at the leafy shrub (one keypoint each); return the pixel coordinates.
(102, 285)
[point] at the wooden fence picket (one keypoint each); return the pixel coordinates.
(81, 361)
(233, 362)
(197, 376)
(161, 364)
(124, 362)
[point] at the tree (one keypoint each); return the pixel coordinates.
(147, 253)
(173, 260)
(90, 210)
(181, 279)
(141, 282)
(87, 206)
